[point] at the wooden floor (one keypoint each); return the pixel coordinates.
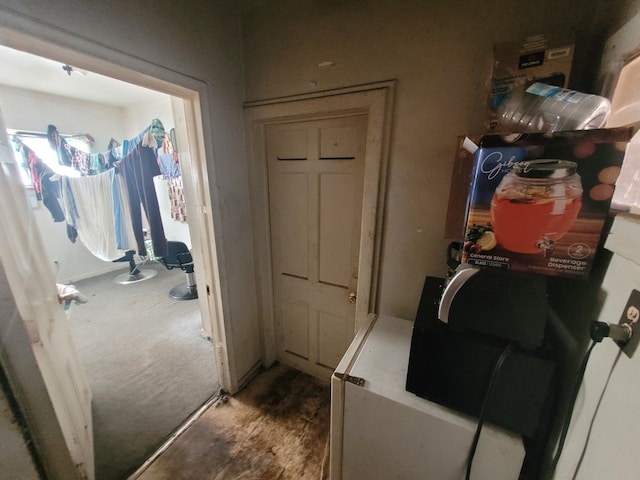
(275, 428)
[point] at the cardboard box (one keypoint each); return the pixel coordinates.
(459, 188)
(535, 59)
(539, 202)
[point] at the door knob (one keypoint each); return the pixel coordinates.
(353, 296)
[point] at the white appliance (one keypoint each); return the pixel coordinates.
(380, 431)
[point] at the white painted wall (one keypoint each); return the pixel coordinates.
(29, 110)
(138, 117)
(34, 111)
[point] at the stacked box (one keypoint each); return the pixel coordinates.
(539, 202)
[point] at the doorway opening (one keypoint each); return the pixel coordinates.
(190, 323)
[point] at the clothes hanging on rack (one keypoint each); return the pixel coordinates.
(79, 159)
(70, 211)
(173, 139)
(97, 163)
(99, 213)
(138, 169)
(46, 189)
(103, 207)
(113, 153)
(67, 154)
(155, 128)
(49, 190)
(57, 143)
(176, 199)
(168, 165)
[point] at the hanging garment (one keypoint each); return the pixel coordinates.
(100, 216)
(173, 139)
(57, 143)
(113, 153)
(79, 159)
(70, 210)
(168, 165)
(46, 189)
(50, 191)
(138, 169)
(67, 154)
(121, 216)
(97, 163)
(156, 129)
(176, 197)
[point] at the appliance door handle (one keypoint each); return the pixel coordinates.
(452, 288)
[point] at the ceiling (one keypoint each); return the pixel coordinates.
(23, 70)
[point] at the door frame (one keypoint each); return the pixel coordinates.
(191, 123)
(193, 127)
(376, 101)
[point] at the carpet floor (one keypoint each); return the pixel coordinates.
(148, 364)
(276, 428)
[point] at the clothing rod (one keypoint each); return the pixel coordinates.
(24, 133)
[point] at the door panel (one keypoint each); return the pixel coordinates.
(295, 324)
(332, 339)
(336, 228)
(291, 144)
(315, 171)
(293, 232)
(34, 289)
(339, 143)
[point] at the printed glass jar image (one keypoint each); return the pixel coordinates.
(535, 205)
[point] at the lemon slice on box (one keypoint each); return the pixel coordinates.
(487, 241)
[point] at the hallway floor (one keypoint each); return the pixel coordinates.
(277, 427)
(148, 365)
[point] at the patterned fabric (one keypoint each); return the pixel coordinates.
(176, 197)
(97, 163)
(79, 159)
(168, 165)
(155, 128)
(68, 154)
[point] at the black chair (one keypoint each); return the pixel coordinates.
(178, 256)
(136, 273)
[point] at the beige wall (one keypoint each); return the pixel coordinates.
(441, 55)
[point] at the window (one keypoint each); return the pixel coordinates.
(39, 144)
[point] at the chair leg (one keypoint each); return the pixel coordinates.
(135, 274)
(185, 291)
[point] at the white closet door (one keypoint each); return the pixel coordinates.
(315, 203)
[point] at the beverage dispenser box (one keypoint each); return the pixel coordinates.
(539, 202)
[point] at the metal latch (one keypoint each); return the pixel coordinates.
(348, 378)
